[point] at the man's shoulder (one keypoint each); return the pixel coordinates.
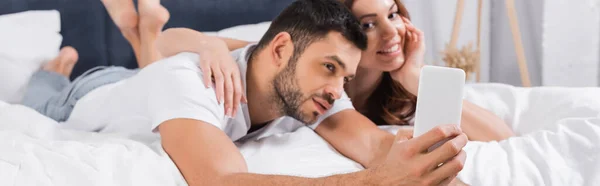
(237, 52)
(185, 59)
(243, 53)
(174, 65)
(179, 71)
(177, 90)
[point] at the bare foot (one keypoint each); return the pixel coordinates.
(153, 16)
(123, 13)
(64, 63)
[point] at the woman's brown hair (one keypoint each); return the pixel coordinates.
(390, 103)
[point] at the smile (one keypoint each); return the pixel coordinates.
(394, 48)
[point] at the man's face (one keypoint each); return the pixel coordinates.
(307, 88)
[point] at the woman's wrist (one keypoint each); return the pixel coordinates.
(411, 82)
(210, 43)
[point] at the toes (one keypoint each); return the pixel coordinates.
(66, 61)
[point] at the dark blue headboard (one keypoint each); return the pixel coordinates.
(86, 26)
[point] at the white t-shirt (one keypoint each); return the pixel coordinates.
(168, 89)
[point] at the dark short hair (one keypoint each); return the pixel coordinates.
(308, 21)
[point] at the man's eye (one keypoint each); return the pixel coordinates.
(330, 67)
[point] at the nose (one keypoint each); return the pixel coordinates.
(334, 92)
(389, 30)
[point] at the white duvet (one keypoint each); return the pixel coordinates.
(559, 129)
(559, 142)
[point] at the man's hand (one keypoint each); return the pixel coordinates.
(405, 133)
(409, 163)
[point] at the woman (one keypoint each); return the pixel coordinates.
(386, 81)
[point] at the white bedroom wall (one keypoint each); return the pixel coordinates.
(554, 58)
(504, 67)
(571, 43)
(561, 41)
(436, 18)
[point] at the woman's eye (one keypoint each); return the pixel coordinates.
(393, 15)
(368, 25)
(346, 80)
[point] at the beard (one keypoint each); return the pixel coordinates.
(288, 97)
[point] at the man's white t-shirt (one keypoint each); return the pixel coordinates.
(171, 88)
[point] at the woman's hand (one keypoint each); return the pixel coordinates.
(219, 67)
(414, 49)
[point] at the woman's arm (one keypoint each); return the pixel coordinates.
(177, 40)
(482, 125)
(234, 44)
(214, 61)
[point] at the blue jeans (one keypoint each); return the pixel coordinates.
(53, 95)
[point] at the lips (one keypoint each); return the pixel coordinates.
(392, 49)
(322, 105)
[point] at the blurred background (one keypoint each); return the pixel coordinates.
(560, 38)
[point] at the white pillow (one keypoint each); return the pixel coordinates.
(299, 153)
(29, 39)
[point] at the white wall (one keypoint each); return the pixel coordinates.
(436, 18)
(561, 38)
(571, 43)
(503, 58)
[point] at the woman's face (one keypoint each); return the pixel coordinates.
(385, 30)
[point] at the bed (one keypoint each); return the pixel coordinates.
(559, 128)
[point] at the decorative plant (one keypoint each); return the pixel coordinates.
(467, 58)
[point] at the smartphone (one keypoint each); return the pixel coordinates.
(439, 99)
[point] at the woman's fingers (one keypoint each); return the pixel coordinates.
(219, 82)
(206, 72)
(229, 91)
(412, 31)
(238, 91)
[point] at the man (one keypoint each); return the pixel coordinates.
(297, 69)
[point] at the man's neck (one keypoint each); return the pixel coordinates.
(360, 89)
(260, 103)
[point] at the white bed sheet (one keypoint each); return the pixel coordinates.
(559, 142)
(34, 151)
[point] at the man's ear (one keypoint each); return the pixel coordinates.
(282, 49)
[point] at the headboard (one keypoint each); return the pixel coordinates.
(86, 25)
